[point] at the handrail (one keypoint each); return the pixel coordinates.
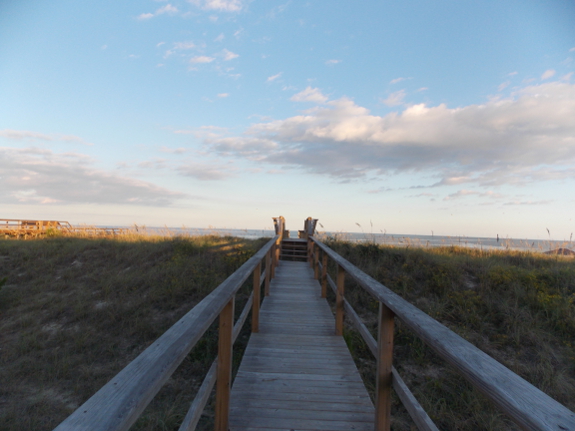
(526, 405)
(119, 403)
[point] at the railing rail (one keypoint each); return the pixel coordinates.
(119, 403)
(526, 405)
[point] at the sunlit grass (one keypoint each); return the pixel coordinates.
(516, 306)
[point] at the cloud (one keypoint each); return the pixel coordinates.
(205, 172)
(332, 62)
(19, 135)
(223, 95)
(503, 85)
(219, 38)
(32, 175)
(201, 59)
(221, 5)
(309, 95)
(527, 137)
(395, 99)
(274, 77)
(169, 9)
(396, 80)
(572, 49)
(229, 55)
(547, 74)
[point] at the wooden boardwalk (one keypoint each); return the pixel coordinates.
(295, 373)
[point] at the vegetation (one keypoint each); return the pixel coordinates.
(75, 311)
(518, 307)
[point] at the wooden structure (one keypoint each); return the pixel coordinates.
(295, 373)
(38, 228)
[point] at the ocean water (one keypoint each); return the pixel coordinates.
(397, 240)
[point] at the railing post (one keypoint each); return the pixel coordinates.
(315, 261)
(324, 275)
(268, 273)
(310, 252)
(257, 295)
(339, 301)
(384, 364)
(224, 372)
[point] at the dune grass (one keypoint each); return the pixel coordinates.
(75, 311)
(518, 307)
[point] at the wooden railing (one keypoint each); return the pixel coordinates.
(119, 403)
(39, 228)
(526, 405)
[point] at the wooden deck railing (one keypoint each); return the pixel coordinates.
(119, 403)
(526, 405)
(39, 228)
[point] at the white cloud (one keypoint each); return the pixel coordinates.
(395, 99)
(20, 135)
(422, 89)
(274, 77)
(512, 74)
(223, 95)
(32, 175)
(221, 5)
(219, 38)
(206, 171)
(548, 74)
(309, 95)
(201, 59)
(169, 9)
(396, 80)
(229, 55)
(145, 16)
(503, 85)
(567, 77)
(527, 137)
(160, 44)
(331, 62)
(572, 49)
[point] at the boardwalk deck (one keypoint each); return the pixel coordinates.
(295, 373)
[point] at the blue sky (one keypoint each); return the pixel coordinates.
(411, 116)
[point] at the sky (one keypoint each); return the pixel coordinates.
(405, 117)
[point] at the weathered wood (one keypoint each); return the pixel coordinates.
(315, 261)
(324, 275)
(415, 410)
(383, 374)
(257, 299)
(339, 301)
(295, 373)
(200, 400)
(268, 273)
(526, 405)
(117, 405)
(224, 370)
(195, 412)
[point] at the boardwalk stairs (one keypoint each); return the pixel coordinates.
(296, 372)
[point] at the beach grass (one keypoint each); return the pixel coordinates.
(75, 311)
(518, 307)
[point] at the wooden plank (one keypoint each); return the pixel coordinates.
(415, 410)
(295, 404)
(256, 302)
(295, 373)
(526, 405)
(224, 370)
(383, 373)
(339, 301)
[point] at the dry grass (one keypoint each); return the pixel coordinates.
(518, 307)
(75, 311)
